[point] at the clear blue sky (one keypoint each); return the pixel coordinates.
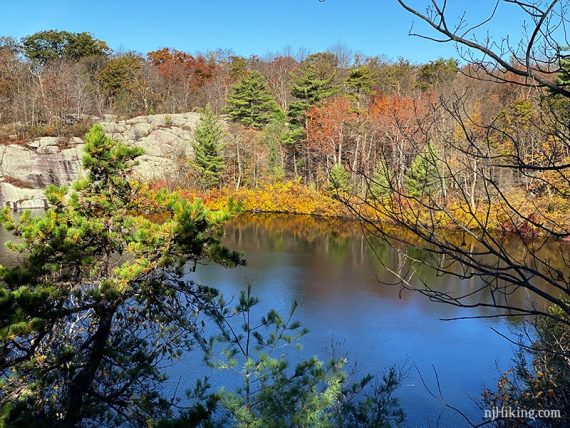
(247, 27)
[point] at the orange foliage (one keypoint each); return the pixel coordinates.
(175, 64)
(390, 110)
(326, 126)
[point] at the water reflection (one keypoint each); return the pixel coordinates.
(342, 282)
(338, 252)
(342, 285)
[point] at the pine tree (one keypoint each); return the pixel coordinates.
(436, 73)
(251, 103)
(359, 83)
(424, 174)
(208, 146)
(380, 185)
(339, 179)
(564, 75)
(310, 88)
(274, 135)
(271, 390)
(99, 300)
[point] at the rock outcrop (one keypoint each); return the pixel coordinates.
(26, 169)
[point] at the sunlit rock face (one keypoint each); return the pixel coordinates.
(26, 169)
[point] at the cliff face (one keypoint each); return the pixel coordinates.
(26, 169)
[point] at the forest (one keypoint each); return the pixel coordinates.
(466, 158)
(328, 121)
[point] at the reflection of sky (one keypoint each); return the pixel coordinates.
(340, 300)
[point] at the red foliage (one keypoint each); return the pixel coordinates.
(179, 65)
(326, 125)
(387, 111)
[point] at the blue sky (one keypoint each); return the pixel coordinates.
(372, 27)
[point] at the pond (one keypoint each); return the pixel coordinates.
(348, 298)
(350, 301)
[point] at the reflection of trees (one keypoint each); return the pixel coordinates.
(531, 148)
(309, 228)
(334, 250)
(507, 176)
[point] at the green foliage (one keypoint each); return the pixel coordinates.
(100, 298)
(275, 135)
(46, 46)
(518, 114)
(120, 75)
(564, 75)
(339, 179)
(272, 393)
(251, 103)
(309, 86)
(436, 72)
(325, 63)
(424, 174)
(360, 82)
(208, 149)
(557, 104)
(381, 183)
(238, 68)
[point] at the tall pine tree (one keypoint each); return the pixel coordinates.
(359, 84)
(251, 103)
(208, 146)
(309, 87)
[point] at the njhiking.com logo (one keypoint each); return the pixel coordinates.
(507, 412)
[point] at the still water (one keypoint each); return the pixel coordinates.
(349, 301)
(347, 298)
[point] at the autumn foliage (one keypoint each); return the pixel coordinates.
(327, 125)
(179, 65)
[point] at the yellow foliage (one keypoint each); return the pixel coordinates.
(280, 197)
(520, 215)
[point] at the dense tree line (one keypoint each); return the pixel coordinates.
(330, 119)
(479, 146)
(493, 165)
(51, 81)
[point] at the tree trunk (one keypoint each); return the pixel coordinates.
(81, 384)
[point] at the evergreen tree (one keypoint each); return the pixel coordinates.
(251, 103)
(424, 174)
(309, 87)
(563, 78)
(100, 300)
(380, 186)
(359, 83)
(558, 104)
(274, 135)
(274, 393)
(208, 146)
(339, 178)
(436, 73)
